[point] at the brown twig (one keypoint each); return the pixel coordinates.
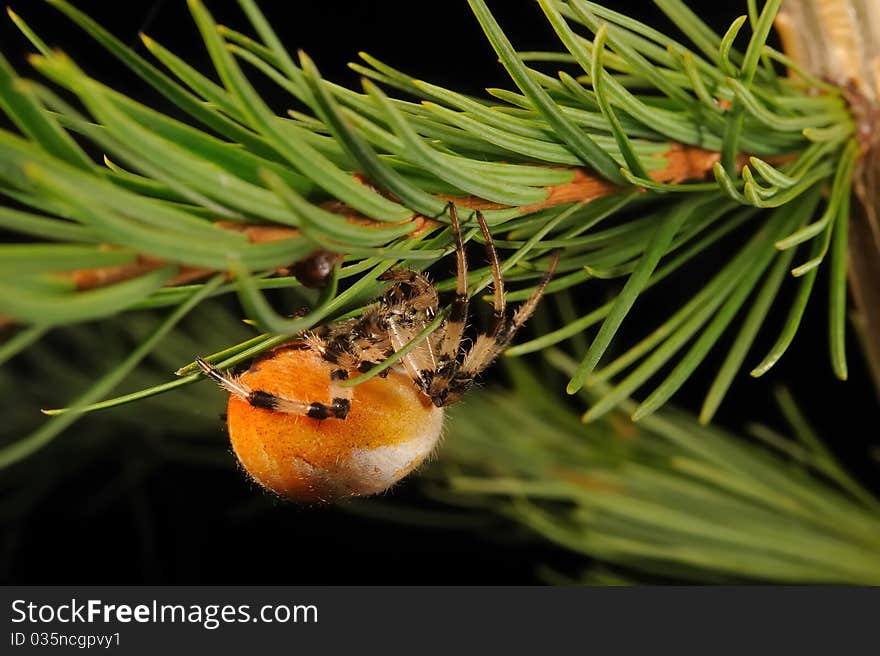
(682, 163)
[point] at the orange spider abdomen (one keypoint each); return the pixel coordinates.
(390, 429)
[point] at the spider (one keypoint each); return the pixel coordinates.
(302, 434)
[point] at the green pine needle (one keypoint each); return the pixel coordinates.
(167, 186)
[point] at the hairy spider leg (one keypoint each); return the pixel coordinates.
(450, 345)
(338, 408)
(483, 353)
(499, 302)
(409, 305)
(485, 344)
(447, 384)
(333, 344)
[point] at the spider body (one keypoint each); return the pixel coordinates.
(301, 433)
(389, 430)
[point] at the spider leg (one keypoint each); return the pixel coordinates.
(451, 342)
(483, 350)
(528, 308)
(408, 305)
(447, 385)
(337, 409)
(230, 383)
(486, 348)
(497, 280)
(420, 363)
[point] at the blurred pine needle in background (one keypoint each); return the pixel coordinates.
(637, 157)
(664, 497)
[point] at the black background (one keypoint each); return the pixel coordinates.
(194, 525)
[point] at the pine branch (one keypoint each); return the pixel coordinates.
(607, 161)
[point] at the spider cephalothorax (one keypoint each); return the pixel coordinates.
(302, 433)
